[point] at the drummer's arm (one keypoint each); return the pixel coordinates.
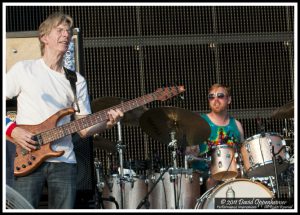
(241, 130)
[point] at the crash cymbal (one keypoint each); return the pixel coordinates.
(130, 118)
(190, 128)
(284, 112)
(105, 144)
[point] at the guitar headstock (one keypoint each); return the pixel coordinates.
(165, 93)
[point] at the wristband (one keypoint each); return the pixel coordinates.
(10, 128)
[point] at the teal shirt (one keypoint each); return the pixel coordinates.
(219, 135)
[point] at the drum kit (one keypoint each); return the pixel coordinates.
(252, 170)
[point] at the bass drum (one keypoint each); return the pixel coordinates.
(243, 188)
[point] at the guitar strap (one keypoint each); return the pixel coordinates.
(71, 76)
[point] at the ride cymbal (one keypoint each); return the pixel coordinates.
(189, 128)
(284, 112)
(104, 144)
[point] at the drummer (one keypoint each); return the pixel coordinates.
(224, 130)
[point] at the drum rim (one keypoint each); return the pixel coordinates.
(207, 195)
(255, 136)
(222, 146)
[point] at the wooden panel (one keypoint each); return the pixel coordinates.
(21, 49)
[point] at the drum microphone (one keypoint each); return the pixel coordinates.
(100, 183)
(110, 183)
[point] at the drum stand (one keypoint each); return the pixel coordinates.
(173, 176)
(174, 171)
(275, 169)
(120, 148)
(99, 187)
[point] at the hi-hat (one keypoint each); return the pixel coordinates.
(130, 118)
(104, 144)
(284, 112)
(189, 128)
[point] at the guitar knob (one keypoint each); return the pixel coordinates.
(23, 165)
(29, 162)
(32, 157)
(17, 168)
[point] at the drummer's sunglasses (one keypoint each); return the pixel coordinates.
(211, 96)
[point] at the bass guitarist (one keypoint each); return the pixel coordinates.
(42, 90)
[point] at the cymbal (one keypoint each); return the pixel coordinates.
(289, 141)
(130, 118)
(284, 112)
(105, 144)
(190, 128)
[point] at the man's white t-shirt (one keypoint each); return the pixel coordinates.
(41, 93)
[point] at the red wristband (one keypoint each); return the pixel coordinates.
(10, 129)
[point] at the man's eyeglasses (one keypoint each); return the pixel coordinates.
(211, 96)
(61, 30)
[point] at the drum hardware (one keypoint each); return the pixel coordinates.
(173, 145)
(275, 168)
(194, 158)
(145, 200)
(201, 181)
(120, 148)
(99, 187)
(241, 165)
(272, 184)
(176, 128)
(109, 180)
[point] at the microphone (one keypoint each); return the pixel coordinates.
(100, 183)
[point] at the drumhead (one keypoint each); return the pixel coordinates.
(243, 188)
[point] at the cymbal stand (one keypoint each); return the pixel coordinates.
(275, 168)
(100, 184)
(173, 177)
(145, 199)
(285, 130)
(120, 148)
(173, 144)
(99, 187)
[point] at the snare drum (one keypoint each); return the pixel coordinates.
(257, 155)
(243, 188)
(223, 163)
(187, 191)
